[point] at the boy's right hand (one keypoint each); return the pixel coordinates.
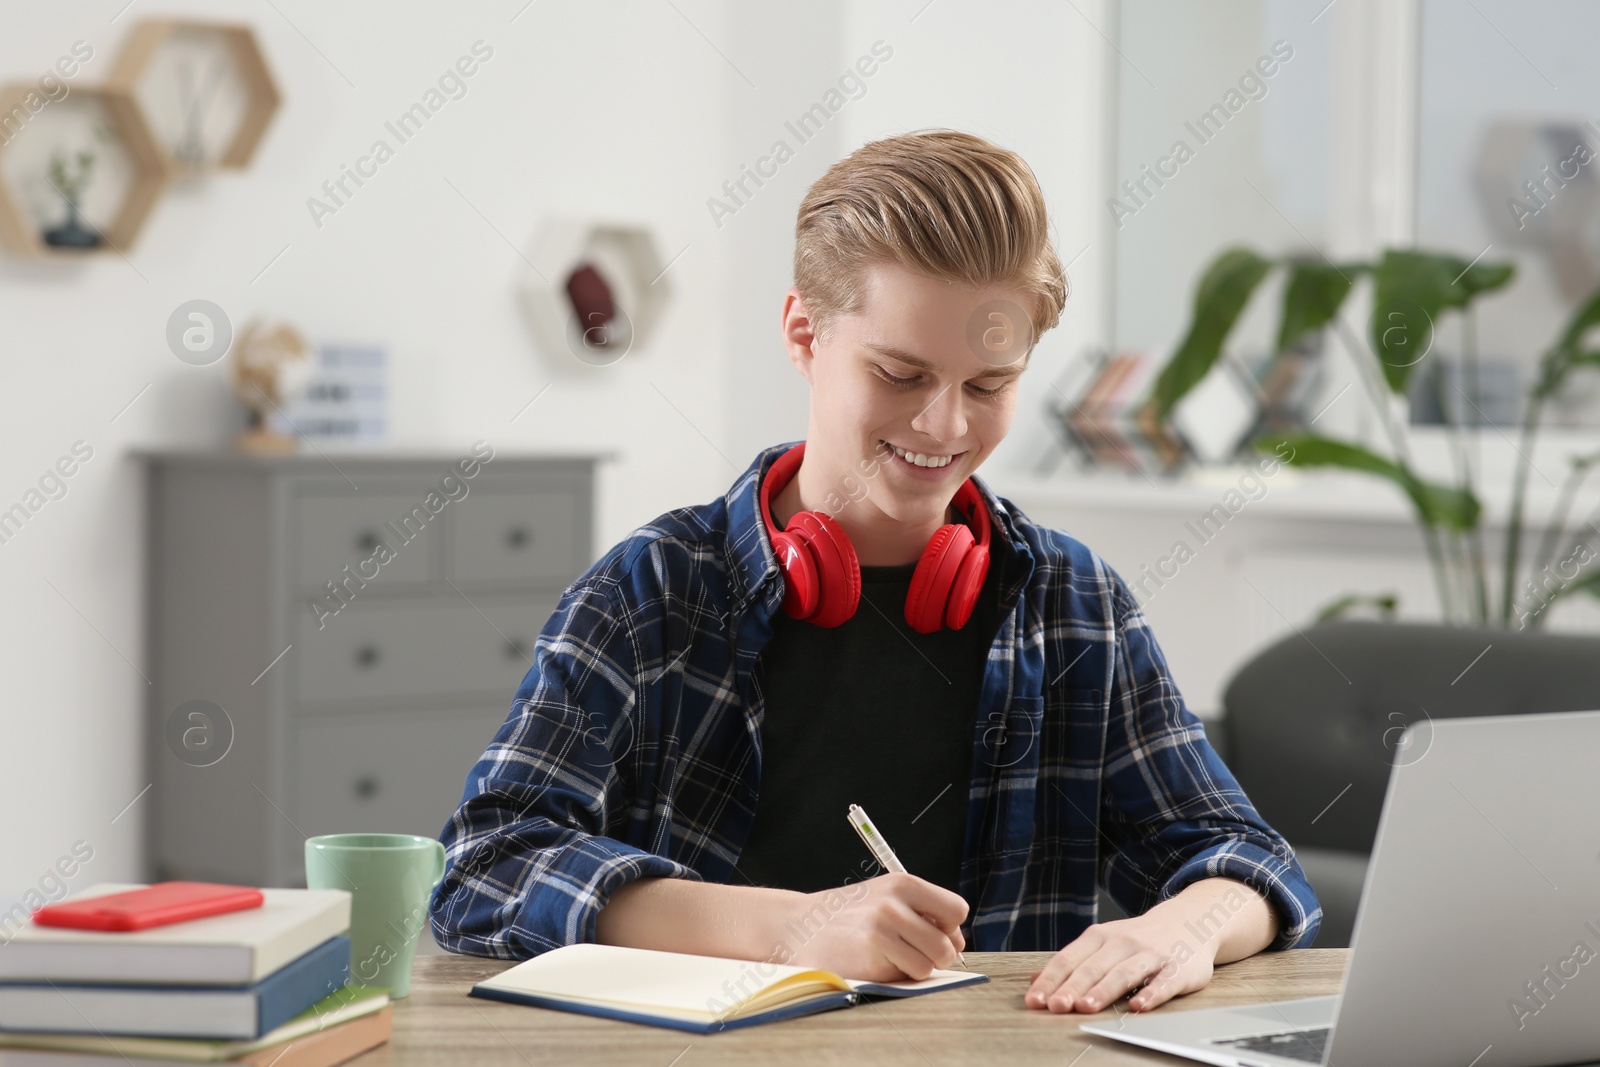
(885, 929)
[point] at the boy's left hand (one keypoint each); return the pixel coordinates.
(1169, 950)
(1109, 959)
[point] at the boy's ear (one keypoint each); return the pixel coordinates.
(798, 333)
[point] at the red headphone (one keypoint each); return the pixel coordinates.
(822, 578)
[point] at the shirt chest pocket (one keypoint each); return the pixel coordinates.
(1008, 738)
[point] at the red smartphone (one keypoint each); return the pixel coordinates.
(153, 905)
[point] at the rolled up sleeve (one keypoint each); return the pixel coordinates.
(529, 862)
(1172, 813)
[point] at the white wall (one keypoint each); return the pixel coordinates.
(1034, 77)
(627, 109)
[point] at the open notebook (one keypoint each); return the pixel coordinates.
(701, 994)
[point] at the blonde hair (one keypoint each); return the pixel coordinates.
(944, 203)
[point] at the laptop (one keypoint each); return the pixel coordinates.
(1477, 939)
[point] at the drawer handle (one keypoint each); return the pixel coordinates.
(367, 656)
(366, 787)
(519, 537)
(516, 649)
(367, 541)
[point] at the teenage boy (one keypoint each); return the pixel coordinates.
(861, 620)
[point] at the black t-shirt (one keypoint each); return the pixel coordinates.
(872, 713)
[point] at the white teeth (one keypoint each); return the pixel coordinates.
(921, 459)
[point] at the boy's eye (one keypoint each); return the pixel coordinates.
(895, 380)
(907, 383)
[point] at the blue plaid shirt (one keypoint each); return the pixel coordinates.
(633, 749)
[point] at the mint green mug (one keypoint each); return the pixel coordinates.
(391, 878)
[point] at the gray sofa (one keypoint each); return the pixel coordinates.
(1322, 710)
(1311, 726)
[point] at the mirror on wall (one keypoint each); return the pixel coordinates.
(1508, 166)
(1226, 135)
(1222, 138)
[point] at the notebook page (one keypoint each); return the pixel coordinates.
(643, 978)
(933, 981)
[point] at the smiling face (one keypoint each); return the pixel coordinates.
(908, 397)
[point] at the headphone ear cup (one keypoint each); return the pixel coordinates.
(838, 571)
(967, 587)
(800, 587)
(935, 573)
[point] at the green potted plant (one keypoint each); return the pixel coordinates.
(70, 176)
(1411, 291)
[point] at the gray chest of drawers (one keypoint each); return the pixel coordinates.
(333, 641)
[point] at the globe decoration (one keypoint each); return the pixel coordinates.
(272, 367)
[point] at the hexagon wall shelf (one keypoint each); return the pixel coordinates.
(105, 203)
(204, 88)
(595, 290)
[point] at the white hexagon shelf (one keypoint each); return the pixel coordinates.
(204, 88)
(594, 292)
(78, 175)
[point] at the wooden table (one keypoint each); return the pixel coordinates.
(438, 1023)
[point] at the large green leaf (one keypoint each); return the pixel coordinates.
(1480, 278)
(1558, 363)
(1315, 292)
(1586, 319)
(1387, 603)
(1588, 582)
(1224, 290)
(1568, 351)
(1410, 290)
(1438, 505)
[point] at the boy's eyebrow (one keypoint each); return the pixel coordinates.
(1014, 367)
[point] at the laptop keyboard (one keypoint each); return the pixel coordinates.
(1305, 1045)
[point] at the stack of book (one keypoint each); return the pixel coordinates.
(266, 985)
(1112, 419)
(1291, 384)
(344, 403)
(1105, 409)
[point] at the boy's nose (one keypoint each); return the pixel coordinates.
(943, 419)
